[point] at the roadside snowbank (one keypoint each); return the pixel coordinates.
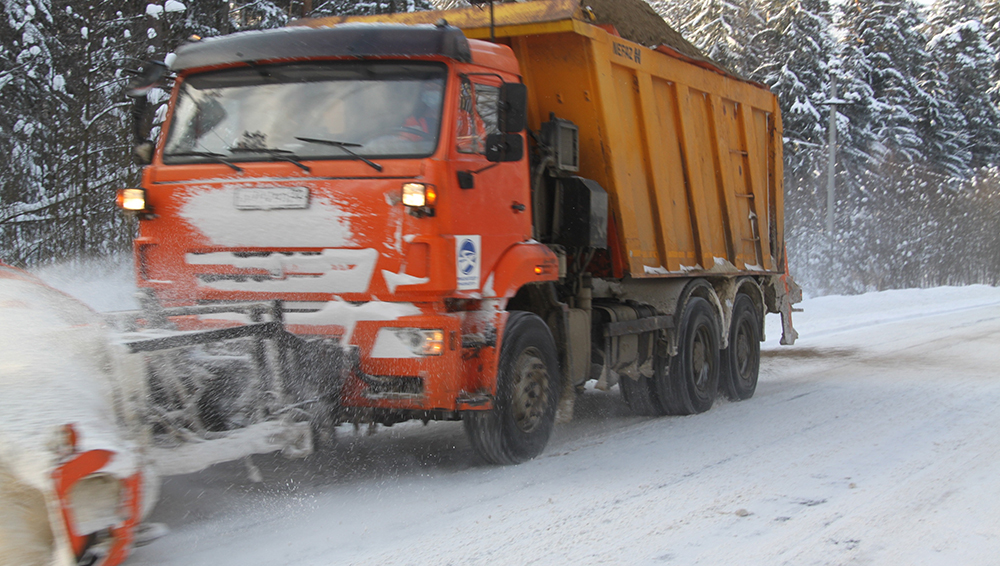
(57, 367)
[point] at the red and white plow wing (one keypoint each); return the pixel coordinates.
(75, 479)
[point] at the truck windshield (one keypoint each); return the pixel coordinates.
(360, 110)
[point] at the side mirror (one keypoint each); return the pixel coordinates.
(513, 108)
(149, 76)
(504, 147)
(142, 124)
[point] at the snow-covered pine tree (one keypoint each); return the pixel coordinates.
(853, 69)
(368, 7)
(31, 84)
(991, 22)
(258, 14)
(886, 33)
(962, 54)
(795, 64)
(675, 13)
(94, 148)
(26, 77)
(67, 148)
(941, 124)
(725, 31)
(855, 158)
(991, 26)
(945, 13)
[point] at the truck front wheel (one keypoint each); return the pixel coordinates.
(518, 426)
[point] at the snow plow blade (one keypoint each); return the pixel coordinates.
(222, 394)
(265, 330)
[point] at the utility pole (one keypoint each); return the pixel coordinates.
(832, 160)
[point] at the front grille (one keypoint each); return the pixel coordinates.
(391, 387)
(325, 271)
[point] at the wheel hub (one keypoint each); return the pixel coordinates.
(531, 385)
(742, 351)
(700, 363)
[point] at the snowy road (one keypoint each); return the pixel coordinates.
(874, 440)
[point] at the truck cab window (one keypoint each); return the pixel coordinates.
(477, 116)
(376, 109)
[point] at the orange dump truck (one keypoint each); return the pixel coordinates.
(392, 218)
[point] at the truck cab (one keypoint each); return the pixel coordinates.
(373, 179)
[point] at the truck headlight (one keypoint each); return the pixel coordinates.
(420, 198)
(408, 343)
(132, 200)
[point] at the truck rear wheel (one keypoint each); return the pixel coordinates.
(741, 360)
(518, 426)
(640, 396)
(692, 383)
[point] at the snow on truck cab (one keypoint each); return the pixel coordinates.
(389, 219)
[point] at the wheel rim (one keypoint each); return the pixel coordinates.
(531, 387)
(744, 359)
(701, 361)
(745, 354)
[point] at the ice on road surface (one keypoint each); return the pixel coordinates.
(874, 440)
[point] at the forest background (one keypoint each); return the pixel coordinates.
(917, 124)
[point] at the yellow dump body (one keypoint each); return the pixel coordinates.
(690, 157)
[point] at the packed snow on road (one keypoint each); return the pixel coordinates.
(875, 439)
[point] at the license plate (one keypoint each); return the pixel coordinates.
(272, 198)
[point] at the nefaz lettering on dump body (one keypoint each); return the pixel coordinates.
(627, 52)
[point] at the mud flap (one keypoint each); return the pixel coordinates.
(788, 333)
(791, 294)
(567, 400)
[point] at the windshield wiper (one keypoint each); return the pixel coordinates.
(344, 146)
(281, 154)
(217, 157)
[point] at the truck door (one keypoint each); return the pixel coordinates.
(494, 209)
